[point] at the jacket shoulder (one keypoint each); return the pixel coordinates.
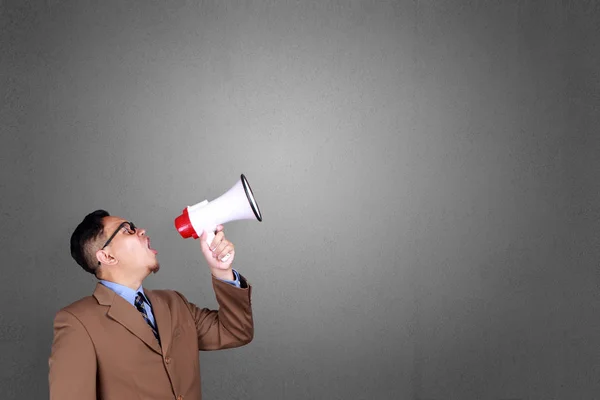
(80, 308)
(170, 296)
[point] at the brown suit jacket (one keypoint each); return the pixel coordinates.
(104, 350)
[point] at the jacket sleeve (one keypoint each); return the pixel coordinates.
(72, 362)
(232, 324)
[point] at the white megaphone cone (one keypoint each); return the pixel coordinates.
(236, 204)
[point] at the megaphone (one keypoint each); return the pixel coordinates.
(237, 203)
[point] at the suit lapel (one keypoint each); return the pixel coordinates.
(125, 314)
(162, 316)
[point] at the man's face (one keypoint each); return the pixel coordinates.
(129, 247)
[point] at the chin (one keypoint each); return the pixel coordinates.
(155, 268)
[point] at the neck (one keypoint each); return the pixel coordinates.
(131, 282)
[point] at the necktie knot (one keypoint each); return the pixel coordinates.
(139, 300)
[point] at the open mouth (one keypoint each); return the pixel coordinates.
(150, 248)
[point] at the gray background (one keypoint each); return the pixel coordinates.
(427, 172)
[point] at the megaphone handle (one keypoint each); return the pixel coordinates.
(210, 235)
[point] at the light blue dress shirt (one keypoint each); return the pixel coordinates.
(129, 294)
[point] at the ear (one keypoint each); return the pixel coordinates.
(105, 258)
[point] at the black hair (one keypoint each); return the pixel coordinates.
(84, 240)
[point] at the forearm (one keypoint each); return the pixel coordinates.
(232, 324)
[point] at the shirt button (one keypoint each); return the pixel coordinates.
(168, 361)
(180, 397)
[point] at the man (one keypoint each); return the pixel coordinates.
(126, 342)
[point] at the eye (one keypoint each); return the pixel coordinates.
(129, 229)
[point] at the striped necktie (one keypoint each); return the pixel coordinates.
(139, 304)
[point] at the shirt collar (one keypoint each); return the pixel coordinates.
(125, 292)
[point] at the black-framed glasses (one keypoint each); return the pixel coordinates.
(131, 229)
(130, 226)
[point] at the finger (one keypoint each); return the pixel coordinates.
(227, 250)
(219, 228)
(217, 241)
(228, 258)
(219, 250)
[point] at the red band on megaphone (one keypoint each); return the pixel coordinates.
(184, 226)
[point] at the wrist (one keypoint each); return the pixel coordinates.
(224, 274)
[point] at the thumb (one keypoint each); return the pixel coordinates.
(203, 245)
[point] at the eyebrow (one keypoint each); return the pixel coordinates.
(121, 225)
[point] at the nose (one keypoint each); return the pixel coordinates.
(141, 231)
